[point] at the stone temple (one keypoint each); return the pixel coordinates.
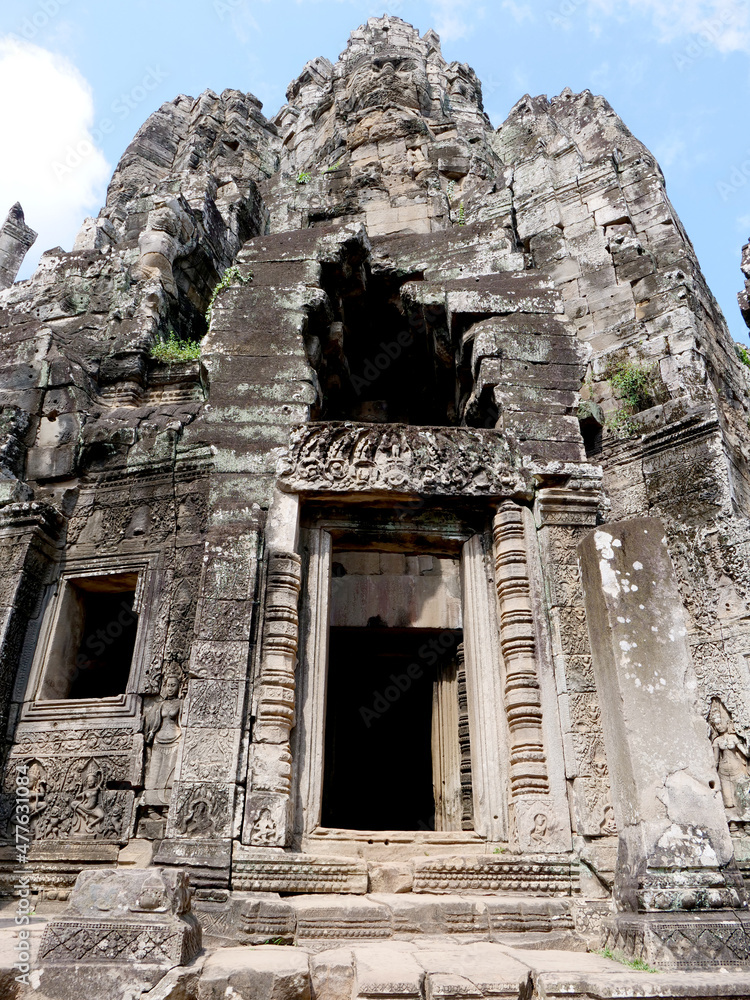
(398, 644)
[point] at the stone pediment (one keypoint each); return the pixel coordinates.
(344, 457)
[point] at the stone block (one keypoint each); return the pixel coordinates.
(264, 973)
(122, 930)
(689, 941)
(274, 870)
(390, 877)
(331, 918)
(496, 873)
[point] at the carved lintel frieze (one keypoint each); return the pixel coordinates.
(528, 765)
(345, 457)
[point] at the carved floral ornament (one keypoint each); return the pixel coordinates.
(394, 458)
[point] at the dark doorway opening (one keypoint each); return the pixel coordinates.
(379, 726)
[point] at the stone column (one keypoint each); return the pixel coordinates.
(675, 852)
(528, 766)
(268, 804)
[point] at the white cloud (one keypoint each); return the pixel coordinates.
(721, 24)
(52, 164)
(454, 19)
(670, 149)
(519, 11)
(743, 223)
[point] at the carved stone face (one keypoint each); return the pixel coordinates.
(718, 718)
(389, 79)
(171, 687)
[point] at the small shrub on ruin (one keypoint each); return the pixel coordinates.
(304, 177)
(231, 276)
(633, 384)
(173, 350)
(743, 354)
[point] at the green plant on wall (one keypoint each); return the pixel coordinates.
(174, 350)
(461, 215)
(634, 387)
(231, 276)
(304, 177)
(743, 354)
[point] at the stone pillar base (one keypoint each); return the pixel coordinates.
(681, 940)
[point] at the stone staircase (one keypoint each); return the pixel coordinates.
(317, 920)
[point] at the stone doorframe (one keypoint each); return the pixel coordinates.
(512, 702)
(510, 783)
(483, 684)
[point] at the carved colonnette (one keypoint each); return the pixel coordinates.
(528, 766)
(268, 819)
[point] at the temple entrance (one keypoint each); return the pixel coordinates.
(391, 725)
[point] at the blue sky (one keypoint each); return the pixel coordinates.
(78, 78)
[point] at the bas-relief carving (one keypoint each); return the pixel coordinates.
(201, 810)
(731, 755)
(85, 808)
(594, 811)
(71, 773)
(124, 916)
(162, 735)
(343, 457)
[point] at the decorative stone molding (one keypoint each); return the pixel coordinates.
(272, 870)
(496, 873)
(268, 805)
(528, 768)
(343, 457)
(685, 941)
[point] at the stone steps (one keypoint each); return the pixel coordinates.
(317, 919)
(436, 969)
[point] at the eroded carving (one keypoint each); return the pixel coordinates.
(731, 756)
(345, 457)
(162, 733)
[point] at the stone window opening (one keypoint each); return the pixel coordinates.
(380, 358)
(91, 648)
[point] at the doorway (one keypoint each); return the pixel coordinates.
(392, 757)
